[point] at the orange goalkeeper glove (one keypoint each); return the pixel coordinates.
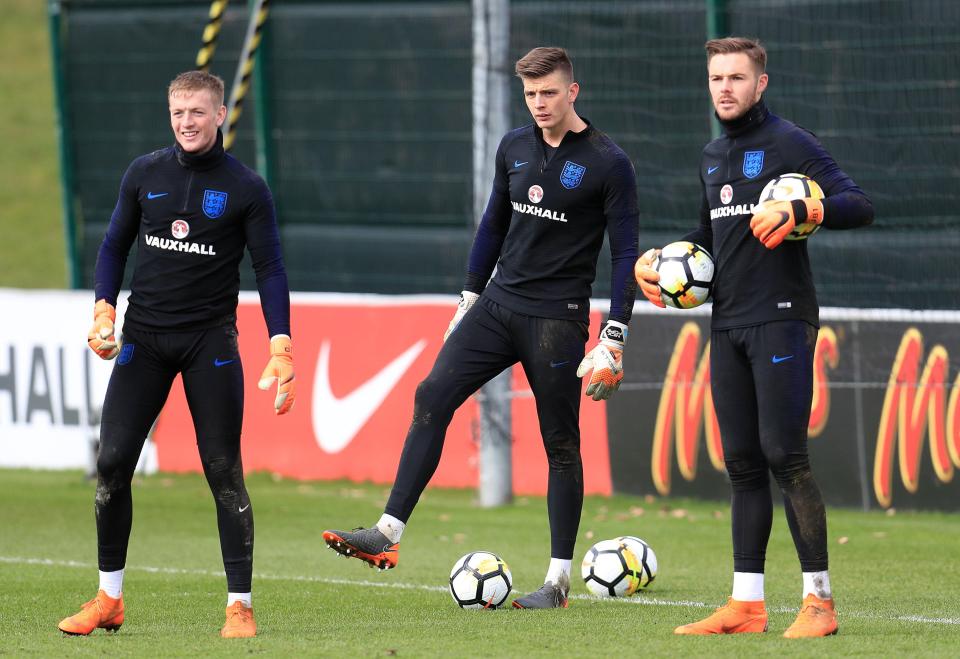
(280, 370)
(647, 277)
(775, 220)
(100, 337)
(606, 362)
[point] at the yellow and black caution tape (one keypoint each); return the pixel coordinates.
(241, 82)
(210, 33)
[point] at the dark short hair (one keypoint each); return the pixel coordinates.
(728, 45)
(543, 61)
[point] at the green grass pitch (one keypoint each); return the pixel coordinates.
(32, 255)
(894, 576)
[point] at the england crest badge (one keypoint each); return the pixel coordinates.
(572, 174)
(752, 163)
(214, 203)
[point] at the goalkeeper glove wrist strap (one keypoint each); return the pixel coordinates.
(614, 334)
(807, 210)
(281, 346)
(103, 307)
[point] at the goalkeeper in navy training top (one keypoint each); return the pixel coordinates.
(192, 208)
(764, 330)
(559, 185)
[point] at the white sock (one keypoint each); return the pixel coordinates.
(246, 598)
(391, 527)
(557, 567)
(748, 586)
(817, 583)
(112, 583)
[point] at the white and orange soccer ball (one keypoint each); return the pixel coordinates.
(686, 274)
(788, 187)
(480, 580)
(618, 567)
(646, 558)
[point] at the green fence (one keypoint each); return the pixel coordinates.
(366, 110)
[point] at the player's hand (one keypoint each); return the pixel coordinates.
(606, 362)
(100, 338)
(467, 300)
(776, 219)
(647, 277)
(280, 370)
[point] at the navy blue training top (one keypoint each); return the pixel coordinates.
(192, 215)
(545, 222)
(753, 284)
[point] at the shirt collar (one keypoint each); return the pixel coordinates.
(569, 136)
(202, 161)
(748, 120)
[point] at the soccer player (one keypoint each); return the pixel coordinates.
(192, 208)
(559, 184)
(763, 330)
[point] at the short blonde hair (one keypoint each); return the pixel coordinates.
(543, 61)
(729, 45)
(192, 81)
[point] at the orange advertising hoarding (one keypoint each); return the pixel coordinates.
(358, 360)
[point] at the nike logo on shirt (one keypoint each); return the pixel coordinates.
(711, 170)
(218, 363)
(777, 360)
(156, 195)
(336, 421)
(517, 163)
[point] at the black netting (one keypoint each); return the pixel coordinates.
(368, 108)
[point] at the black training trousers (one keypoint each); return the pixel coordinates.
(762, 383)
(213, 380)
(489, 339)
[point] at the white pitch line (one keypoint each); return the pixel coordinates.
(16, 560)
(844, 613)
(643, 601)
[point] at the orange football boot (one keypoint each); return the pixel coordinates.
(240, 622)
(817, 617)
(102, 611)
(735, 617)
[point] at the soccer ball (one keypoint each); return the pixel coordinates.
(480, 580)
(645, 556)
(611, 568)
(788, 187)
(686, 273)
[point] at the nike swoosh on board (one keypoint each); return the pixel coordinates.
(336, 421)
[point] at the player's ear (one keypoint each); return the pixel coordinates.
(221, 115)
(762, 83)
(572, 92)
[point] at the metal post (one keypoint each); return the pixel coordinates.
(262, 99)
(717, 27)
(491, 118)
(66, 152)
(259, 9)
